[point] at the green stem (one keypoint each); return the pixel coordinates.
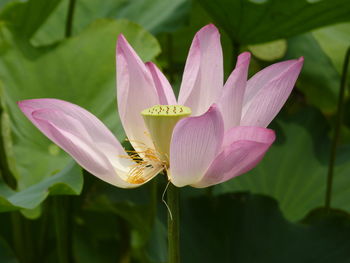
(125, 247)
(5, 171)
(69, 21)
(336, 135)
(62, 216)
(154, 199)
(27, 239)
(43, 231)
(18, 237)
(173, 224)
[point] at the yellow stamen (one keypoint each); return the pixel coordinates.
(160, 121)
(136, 174)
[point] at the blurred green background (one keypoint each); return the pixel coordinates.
(52, 211)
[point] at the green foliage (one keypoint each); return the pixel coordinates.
(113, 216)
(295, 168)
(270, 51)
(26, 17)
(6, 254)
(319, 84)
(154, 15)
(334, 40)
(67, 182)
(249, 21)
(4, 2)
(250, 228)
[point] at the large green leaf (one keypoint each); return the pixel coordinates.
(249, 21)
(27, 17)
(67, 182)
(250, 229)
(334, 40)
(157, 15)
(80, 70)
(295, 168)
(319, 80)
(154, 15)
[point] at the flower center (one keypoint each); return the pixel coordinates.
(160, 121)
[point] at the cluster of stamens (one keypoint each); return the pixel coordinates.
(160, 121)
(136, 173)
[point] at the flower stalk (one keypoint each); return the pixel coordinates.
(62, 209)
(69, 20)
(173, 194)
(336, 135)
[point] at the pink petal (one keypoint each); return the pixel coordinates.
(81, 135)
(136, 92)
(195, 143)
(247, 133)
(267, 92)
(83, 151)
(164, 89)
(96, 129)
(246, 150)
(231, 100)
(203, 75)
(261, 78)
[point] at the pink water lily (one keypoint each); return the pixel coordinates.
(225, 136)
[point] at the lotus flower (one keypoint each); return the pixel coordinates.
(210, 134)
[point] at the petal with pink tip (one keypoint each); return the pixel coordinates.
(83, 151)
(267, 92)
(231, 99)
(194, 144)
(98, 132)
(203, 75)
(247, 133)
(81, 135)
(261, 78)
(247, 148)
(136, 92)
(165, 92)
